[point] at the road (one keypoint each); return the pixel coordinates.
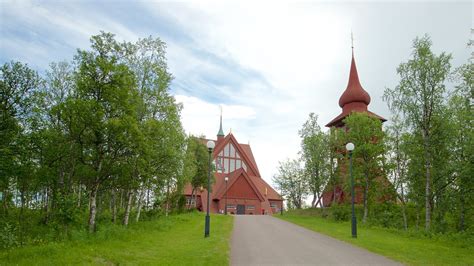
(265, 240)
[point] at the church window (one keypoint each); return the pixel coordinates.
(232, 151)
(229, 160)
(226, 150)
(250, 207)
(230, 206)
(226, 165)
(273, 205)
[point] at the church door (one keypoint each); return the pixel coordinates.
(240, 209)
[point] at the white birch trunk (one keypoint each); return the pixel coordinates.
(128, 208)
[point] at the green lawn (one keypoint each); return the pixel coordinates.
(397, 245)
(173, 240)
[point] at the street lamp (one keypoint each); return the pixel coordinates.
(350, 147)
(225, 207)
(210, 147)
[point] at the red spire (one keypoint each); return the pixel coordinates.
(354, 91)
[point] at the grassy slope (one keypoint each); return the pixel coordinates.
(173, 240)
(391, 243)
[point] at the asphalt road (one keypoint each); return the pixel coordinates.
(264, 240)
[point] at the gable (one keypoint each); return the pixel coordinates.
(230, 156)
(241, 188)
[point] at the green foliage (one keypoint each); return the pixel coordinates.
(8, 236)
(420, 98)
(292, 183)
(97, 140)
(315, 155)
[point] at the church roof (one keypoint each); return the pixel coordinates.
(353, 99)
(354, 91)
(262, 188)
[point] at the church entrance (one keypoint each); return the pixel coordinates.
(240, 209)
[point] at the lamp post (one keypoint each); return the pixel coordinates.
(210, 147)
(350, 147)
(225, 207)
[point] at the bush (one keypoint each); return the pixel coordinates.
(8, 236)
(341, 212)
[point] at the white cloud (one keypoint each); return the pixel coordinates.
(269, 64)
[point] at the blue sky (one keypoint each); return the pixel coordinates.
(268, 63)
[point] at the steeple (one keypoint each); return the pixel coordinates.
(220, 134)
(354, 98)
(354, 91)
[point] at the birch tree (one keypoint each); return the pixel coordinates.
(419, 97)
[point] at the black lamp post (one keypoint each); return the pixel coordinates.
(210, 147)
(225, 207)
(350, 147)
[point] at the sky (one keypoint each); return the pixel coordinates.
(267, 63)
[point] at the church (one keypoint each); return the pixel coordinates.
(353, 99)
(238, 185)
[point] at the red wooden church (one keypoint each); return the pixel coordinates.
(244, 191)
(353, 99)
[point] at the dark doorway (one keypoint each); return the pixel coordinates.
(240, 209)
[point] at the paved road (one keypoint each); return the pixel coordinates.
(264, 240)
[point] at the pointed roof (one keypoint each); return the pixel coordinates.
(354, 91)
(353, 99)
(221, 132)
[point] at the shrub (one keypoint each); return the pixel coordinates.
(8, 236)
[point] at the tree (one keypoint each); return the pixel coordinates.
(101, 118)
(367, 135)
(397, 139)
(291, 182)
(461, 116)
(196, 164)
(315, 152)
(419, 97)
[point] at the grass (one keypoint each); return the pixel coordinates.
(410, 249)
(173, 240)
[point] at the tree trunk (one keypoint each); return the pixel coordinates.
(139, 208)
(428, 182)
(93, 206)
(114, 206)
(128, 208)
(5, 202)
(319, 200)
(462, 213)
(167, 198)
(147, 199)
(47, 205)
(404, 212)
(79, 196)
(366, 192)
(314, 199)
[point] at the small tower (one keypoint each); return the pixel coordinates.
(353, 99)
(220, 134)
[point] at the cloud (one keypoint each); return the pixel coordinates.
(269, 65)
